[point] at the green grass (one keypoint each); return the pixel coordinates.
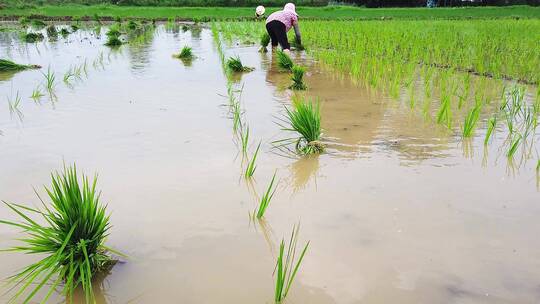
(235, 64)
(70, 233)
(284, 61)
(298, 78)
(266, 198)
(222, 13)
(287, 265)
(305, 120)
(10, 66)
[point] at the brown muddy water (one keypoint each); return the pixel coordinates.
(398, 210)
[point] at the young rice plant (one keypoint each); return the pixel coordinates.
(71, 234)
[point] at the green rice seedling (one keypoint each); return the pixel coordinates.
(132, 25)
(113, 32)
(265, 40)
(113, 41)
(266, 198)
(471, 119)
(305, 120)
(298, 78)
(444, 115)
(38, 24)
(24, 21)
(492, 123)
(237, 115)
(118, 19)
(284, 61)
(186, 53)
(50, 79)
(72, 239)
(235, 64)
(297, 45)
(52, 32)
(96, 18)
(36, 94)
(538, 166)
(32, 37)
(514, 145)
(14, 103)
(64, 32)
(244, 136)
(74, 27)
(68, 75)
(251, 167)
(10, 66)
(287, 266)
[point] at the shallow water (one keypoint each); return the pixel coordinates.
(397, 210)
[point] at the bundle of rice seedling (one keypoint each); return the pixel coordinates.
(298, 78)
(284, 61)
(113, 41)
(235, 65)
(7, 66)
(33, 37)
(186, 53)
(265, 40)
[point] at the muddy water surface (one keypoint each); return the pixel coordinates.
(397, 211)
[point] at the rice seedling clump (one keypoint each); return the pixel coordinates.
(64, 32)
(284, 61)
(33, 37)
(298, 78)
(52, 32)
(70, 232)
(265, 40)
(38, 24)
(235, 65)
(186, 53)
(305, 120)
(7, 65)
(113, 41)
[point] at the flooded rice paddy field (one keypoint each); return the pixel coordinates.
(397, 210)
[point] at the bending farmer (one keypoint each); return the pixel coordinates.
(279, 23)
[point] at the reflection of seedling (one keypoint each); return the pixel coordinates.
(10, 66)
(298, 78)
(284, 61)
(304, 119)
(132, 25)
(72, 238)
(245, 140)
(14, 103)
(235, 65)
(287, 266)
(250, 169)
(186, 53)
(266, 198)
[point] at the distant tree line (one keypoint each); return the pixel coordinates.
(441, 3)
(269, 3)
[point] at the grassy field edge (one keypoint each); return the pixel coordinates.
(236, 13)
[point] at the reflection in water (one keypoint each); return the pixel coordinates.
(140, 48)
(303, 171)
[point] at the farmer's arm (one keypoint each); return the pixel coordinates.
(297, 33)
